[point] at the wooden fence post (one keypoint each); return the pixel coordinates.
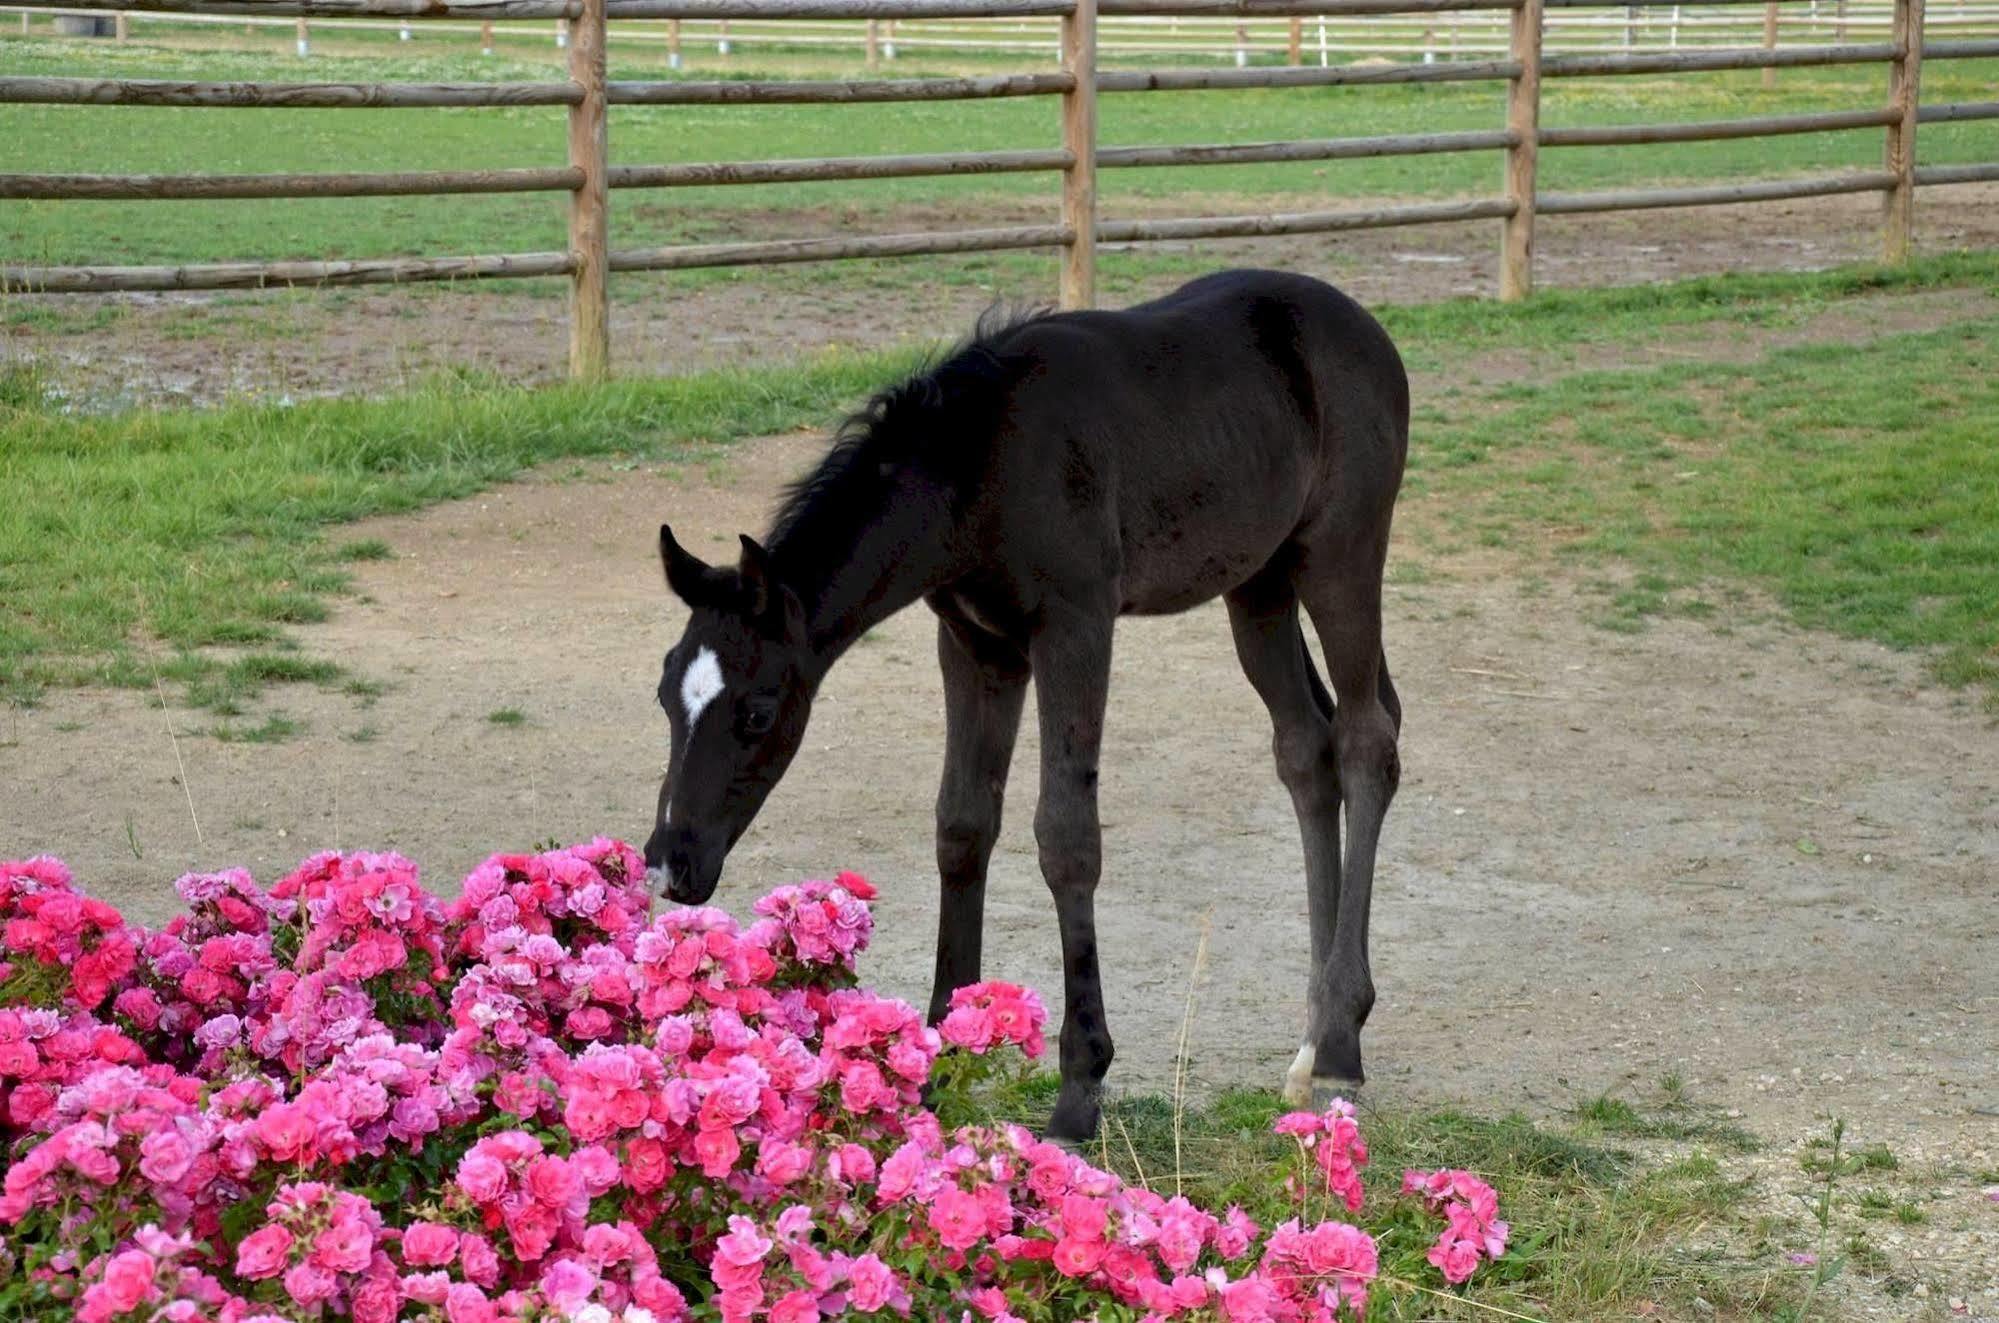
(1523, 120)
(1078, 287)
(1904, 99)
(1296, 53)
(1769, 42)
(673, 43)
(589, 205)
(874, 44)
(486, 37)
(122, 25)
(304, 39)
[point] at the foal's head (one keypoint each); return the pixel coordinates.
(737, 688)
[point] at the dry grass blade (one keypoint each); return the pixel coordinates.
(1463, 1300)
(1180, 1052)
(166, 715)
(1131, 1151)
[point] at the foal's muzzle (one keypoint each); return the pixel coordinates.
(679, 869)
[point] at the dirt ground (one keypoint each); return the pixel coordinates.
(376, 340)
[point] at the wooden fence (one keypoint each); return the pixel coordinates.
(588, 95)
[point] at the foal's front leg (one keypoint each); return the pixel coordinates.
(1072, 662)
(985, 686)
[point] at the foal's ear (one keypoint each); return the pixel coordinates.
(769, 599)
(693, 581)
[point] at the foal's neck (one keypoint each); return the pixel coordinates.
(856, 560)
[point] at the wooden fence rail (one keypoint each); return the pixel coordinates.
(588, 178)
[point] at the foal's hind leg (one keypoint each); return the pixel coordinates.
(1264, 617)
(985, 683)
(1342, 591)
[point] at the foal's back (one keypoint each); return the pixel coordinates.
(1178, 446)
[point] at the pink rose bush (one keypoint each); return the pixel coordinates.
(343, 1096)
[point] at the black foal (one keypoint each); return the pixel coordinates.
(1242, 437)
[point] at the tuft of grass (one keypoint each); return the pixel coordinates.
(367, 548)
(1680, 1120)
(507, 716)
(274, 729)
(24, 385)
(364, 691)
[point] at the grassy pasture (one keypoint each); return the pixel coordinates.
(133, 139)
(1856, 483)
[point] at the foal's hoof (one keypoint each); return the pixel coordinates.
(1073, 1124)
(1303, 1088)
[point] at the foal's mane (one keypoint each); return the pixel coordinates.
(939, 416)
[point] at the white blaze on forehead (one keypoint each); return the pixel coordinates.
(700, 684)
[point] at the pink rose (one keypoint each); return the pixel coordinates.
(1456, 1259)
(466, 1303)
(958, 1218)
(165, 1156)
(870, 1283)
(899, 1173)
(426, 1244)
(284, 1130)
(377, 1300)
(482, 1176)
(532, 1228)
(796, 1307)
(344, 1246)
(551, 1182)
(263, 1253)
(309, 1284)
(744, 1244)
(128, 1280)
(716, 1151)
(1078, 1258)
(968, 1027)
(479, 1260)
(567, 1284)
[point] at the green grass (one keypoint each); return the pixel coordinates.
(1596, 1230)
(1857, 484)
(1677, 1119)
(191, 531)
(41, 138)
(507, 716)
(274, 729)
(370, 548)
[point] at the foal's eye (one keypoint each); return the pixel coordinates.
(759, 718)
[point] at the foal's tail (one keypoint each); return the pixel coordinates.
(1389, 698)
